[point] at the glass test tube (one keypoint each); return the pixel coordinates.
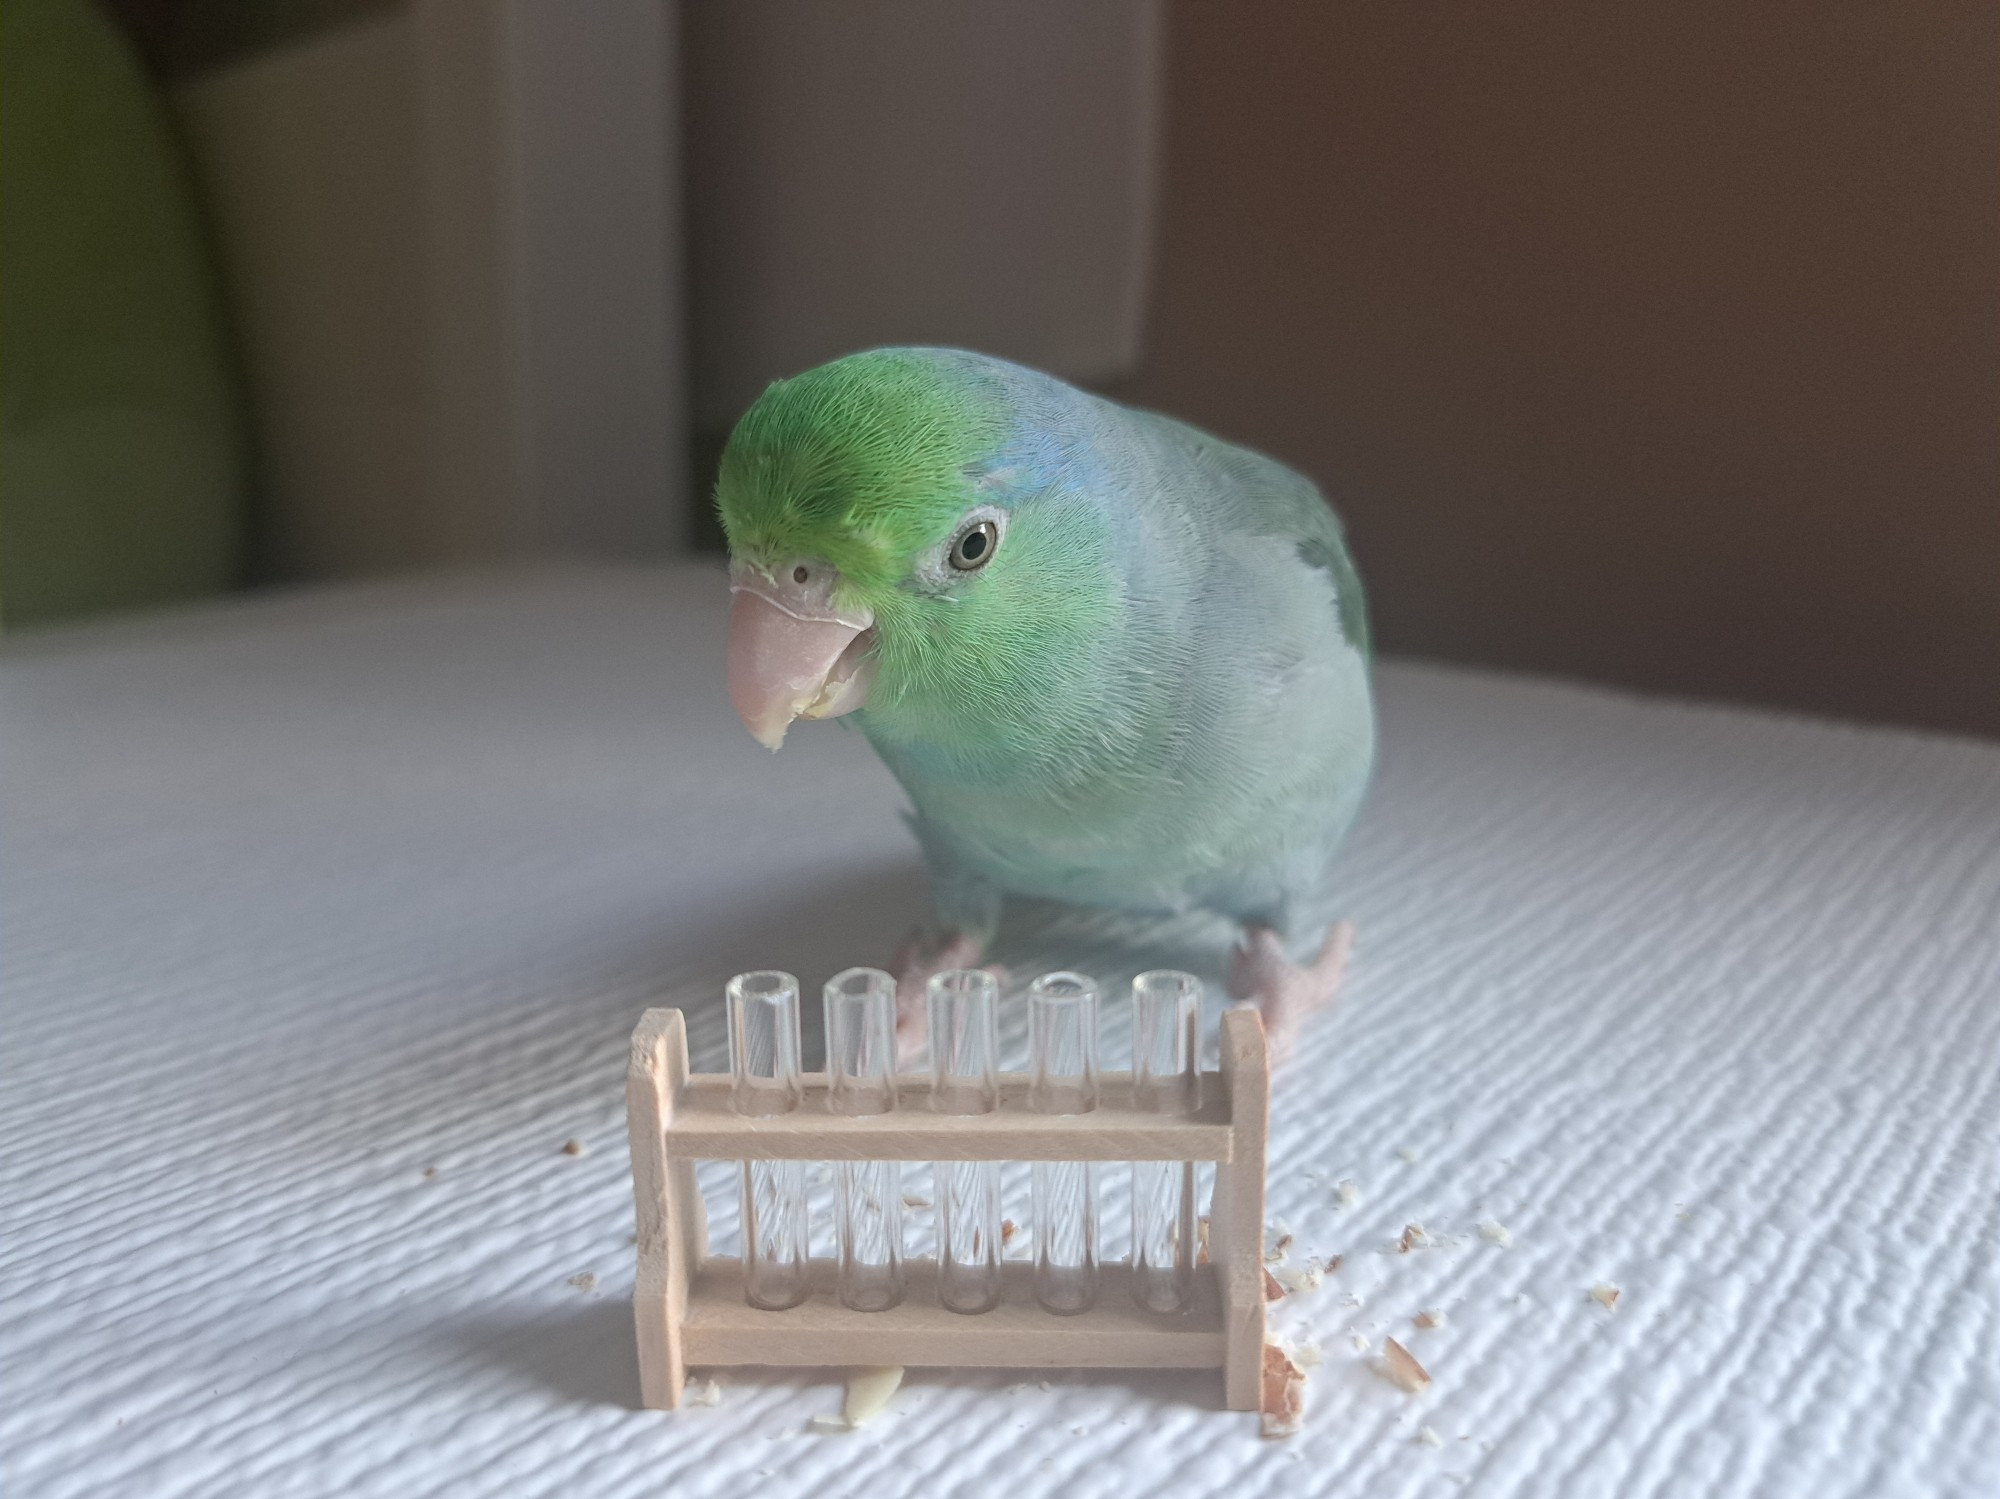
(764, 1067)
(1166, 1013)
(965, 1050)
(861, 1079)
(1062, 1079)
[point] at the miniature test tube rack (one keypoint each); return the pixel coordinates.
(690, 1305)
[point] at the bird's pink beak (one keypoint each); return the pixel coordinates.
(792, 653)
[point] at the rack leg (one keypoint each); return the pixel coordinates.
(666, 1205)
(1237, 1214)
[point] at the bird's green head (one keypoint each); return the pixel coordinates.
(873, 539)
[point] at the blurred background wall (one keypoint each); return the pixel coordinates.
(1654, 345)
(1657, 344)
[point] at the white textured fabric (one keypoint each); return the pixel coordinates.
(327, 918)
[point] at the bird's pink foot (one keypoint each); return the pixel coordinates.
(1286, 993)
(914, 970)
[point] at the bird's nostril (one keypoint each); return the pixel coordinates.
(800, 574)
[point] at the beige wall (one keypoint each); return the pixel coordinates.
(1654, 344)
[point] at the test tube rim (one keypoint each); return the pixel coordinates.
(1044, 995)
(949, 1097)
(777, 1093)
(833, 993)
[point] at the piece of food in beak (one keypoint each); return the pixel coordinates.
(793, 655)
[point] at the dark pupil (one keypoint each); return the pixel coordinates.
(973, 547)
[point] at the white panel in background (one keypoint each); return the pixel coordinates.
(862, 172)
(453, 247)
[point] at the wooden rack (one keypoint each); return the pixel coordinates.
(690, 1305)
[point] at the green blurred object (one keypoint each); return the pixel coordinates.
(122, 437)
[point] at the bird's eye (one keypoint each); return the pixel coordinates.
(974, 549)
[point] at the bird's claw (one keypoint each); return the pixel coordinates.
(1283, 991)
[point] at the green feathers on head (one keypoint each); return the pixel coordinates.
(869, 463)
(862, 462)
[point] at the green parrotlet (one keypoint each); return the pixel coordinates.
(1112, 660)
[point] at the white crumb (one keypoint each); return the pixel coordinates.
(1360, 1342)
(1605, 1296)
(1429, 1437)
(1278, 1243)
(1415, 1236)
(709, 1393)
(1047, 1385)
(868, 1393)
(1308, 1355)
(1495, 1233)
(828, 1424)
(1410, 1155)
(585, 1281)
(1295, 1278)
(1348, 1193)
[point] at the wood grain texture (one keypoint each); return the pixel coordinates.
(1115, 1333)
(1236, 1223)
(653, 1078)
(707, 1128)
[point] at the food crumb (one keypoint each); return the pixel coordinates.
(430, 1173)
(1308, 1355)
(1008, 1228)
(1307, 1277)
(1414, 1237)
(1201, 1236)
(1605, 1296)
(913, 1201)
(1429, 1437)
(1427, 1320)
(1047, 1385)
(709, 1393)
(827, 1424)
(1278, 1243)
(1360, 1341)
(1410, 1155)
(1348, 1193)
(869, 1392)
(1273, 1289)
(1495, 1233)
(1283, 1405)
(1402, 1370)
(573, 1147)
(585, 1281)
